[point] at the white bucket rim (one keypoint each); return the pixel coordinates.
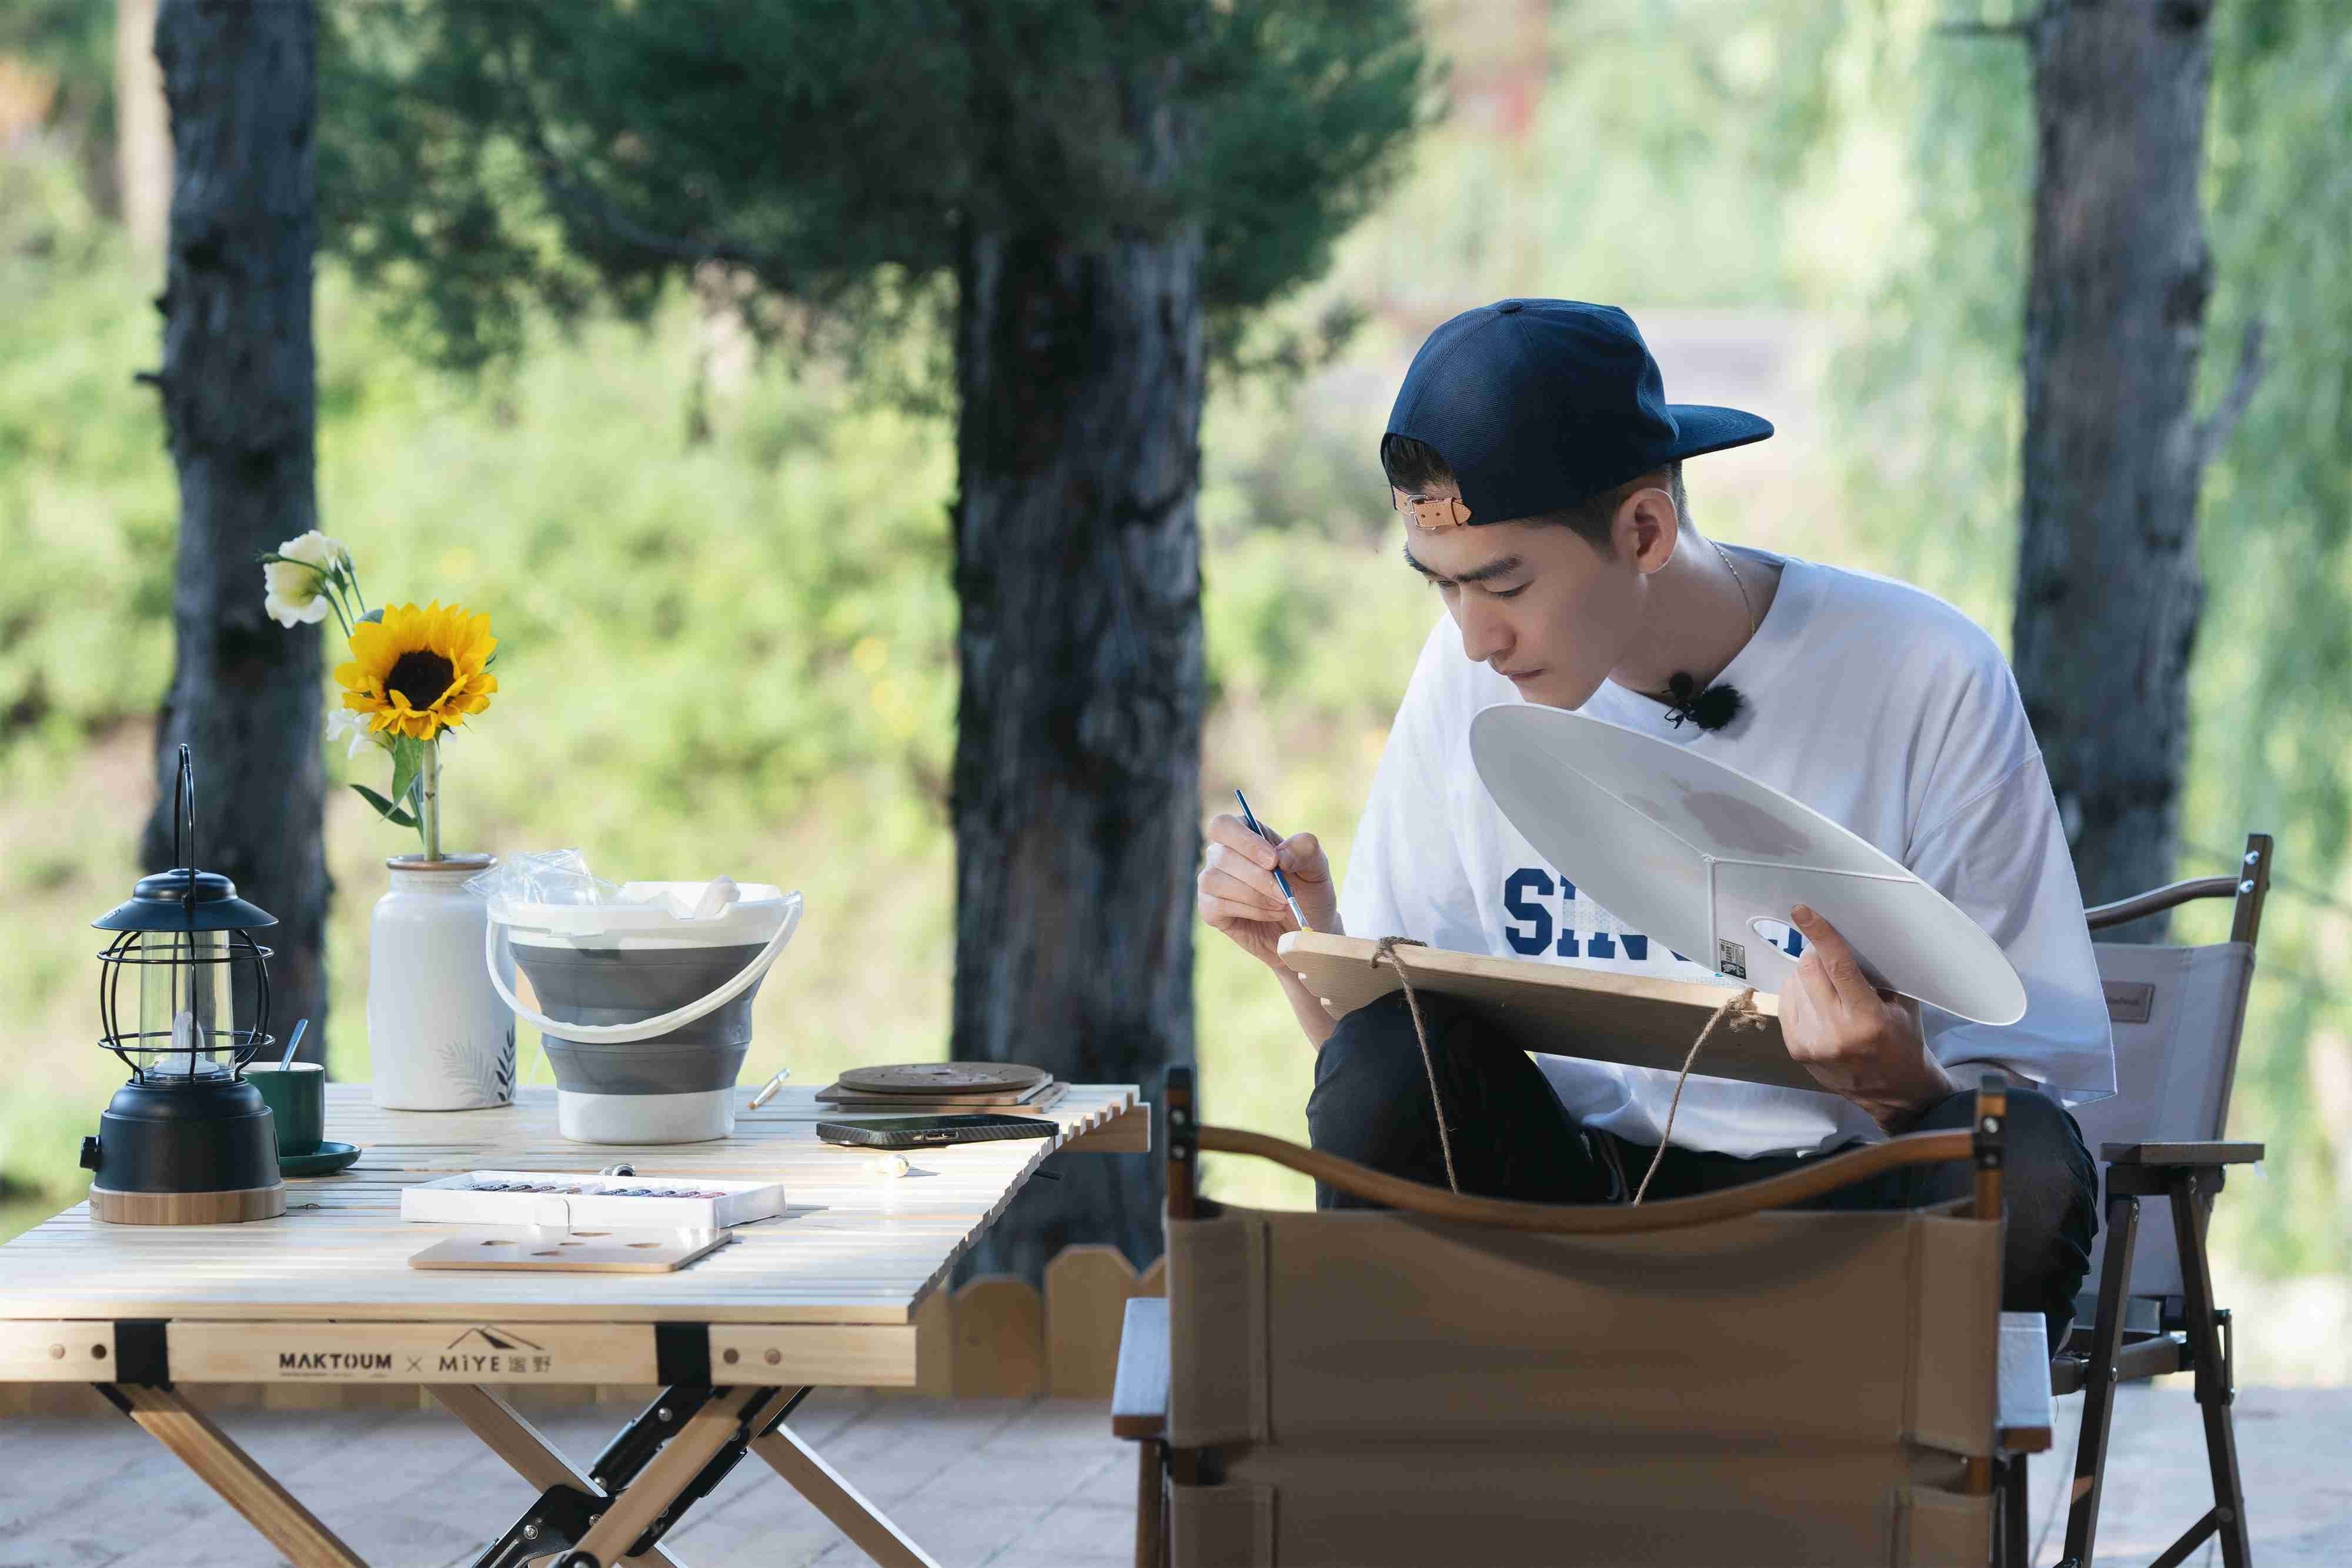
(754, 916)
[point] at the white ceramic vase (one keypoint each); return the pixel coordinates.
(438, 1036)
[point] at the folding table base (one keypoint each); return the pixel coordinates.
(668, 1458)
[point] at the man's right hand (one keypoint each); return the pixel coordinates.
(1237, 895)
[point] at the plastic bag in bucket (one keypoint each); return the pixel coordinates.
(648, 990)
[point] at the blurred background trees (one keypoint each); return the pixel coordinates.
(1063, 210)
(718, 542)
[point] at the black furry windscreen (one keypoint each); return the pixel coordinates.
(1710, 709)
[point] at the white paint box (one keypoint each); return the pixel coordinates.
(597, 1200)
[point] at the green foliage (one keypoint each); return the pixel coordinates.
(479, 162)
(87, 515)
(71, 42)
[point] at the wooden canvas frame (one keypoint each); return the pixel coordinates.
(1556, 1008)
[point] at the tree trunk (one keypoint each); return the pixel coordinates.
(2108, 590)
(1076, 789)
(238, 404)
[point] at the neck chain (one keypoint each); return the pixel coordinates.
(1714, 706)
(1753, 624)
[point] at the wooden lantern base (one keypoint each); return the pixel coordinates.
(187, 1208)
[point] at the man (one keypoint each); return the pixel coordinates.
(1538, 469)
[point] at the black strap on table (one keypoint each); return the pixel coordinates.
(682, 1352)
(141, 1353)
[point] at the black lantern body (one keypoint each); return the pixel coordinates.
(187, 1141)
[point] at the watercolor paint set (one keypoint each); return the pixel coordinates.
(558, 1198)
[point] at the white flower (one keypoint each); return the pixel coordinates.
(342, 724)
(294, 585)
(315, 549)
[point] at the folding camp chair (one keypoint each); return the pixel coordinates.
(1462, 1379)
(2178, 1014)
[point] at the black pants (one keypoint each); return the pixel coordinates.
(1513, 1139)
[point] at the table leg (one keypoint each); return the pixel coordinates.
(230, 1471)
(680, 1462)
(530, 1455)
(834, 1498)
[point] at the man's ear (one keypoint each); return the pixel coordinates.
(1645, 530)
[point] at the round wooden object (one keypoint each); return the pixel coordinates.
(187, 1208)
(931, 1080)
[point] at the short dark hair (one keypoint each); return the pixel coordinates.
(1414, 466)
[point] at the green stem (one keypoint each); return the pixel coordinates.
(428, 800)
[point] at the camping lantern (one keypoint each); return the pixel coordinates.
(187, 1141)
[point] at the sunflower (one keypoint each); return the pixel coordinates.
(419, 672)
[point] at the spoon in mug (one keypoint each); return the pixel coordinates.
(292, 1043)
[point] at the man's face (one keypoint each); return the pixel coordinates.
(1536, 602)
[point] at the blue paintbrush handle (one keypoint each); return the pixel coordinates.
(1280, 881)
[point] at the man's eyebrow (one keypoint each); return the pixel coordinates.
(1486, 573)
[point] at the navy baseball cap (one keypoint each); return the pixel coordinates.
(1537, 403)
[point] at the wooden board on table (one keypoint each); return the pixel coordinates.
(1595, 1014)
(1037, 1096)
(937, 1079)
(632, 1251)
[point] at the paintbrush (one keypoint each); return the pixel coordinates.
(1280, 881)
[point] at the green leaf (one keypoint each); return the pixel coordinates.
(384, 808)
(407, 762)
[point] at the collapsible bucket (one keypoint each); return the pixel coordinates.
(648, 999)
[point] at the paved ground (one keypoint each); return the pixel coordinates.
(976, 1481)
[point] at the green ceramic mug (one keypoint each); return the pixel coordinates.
(296, 1096)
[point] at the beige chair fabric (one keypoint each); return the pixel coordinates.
(2177, 1013)
(1786, 1388)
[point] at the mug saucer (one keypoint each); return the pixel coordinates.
(327, 1158)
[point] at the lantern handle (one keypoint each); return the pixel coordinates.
(184, 814)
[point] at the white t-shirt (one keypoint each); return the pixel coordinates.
(1874, 702)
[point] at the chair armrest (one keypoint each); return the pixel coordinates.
(2180, 1153)
(2022, 1425)
(1138, 1399)
(1782, 1191)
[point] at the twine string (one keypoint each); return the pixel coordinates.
(1387, 949)
(1739, 1009)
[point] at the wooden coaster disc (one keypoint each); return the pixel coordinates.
(935, 1079)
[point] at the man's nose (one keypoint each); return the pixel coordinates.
(1485, 634)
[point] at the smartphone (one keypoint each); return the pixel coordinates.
(914, 1132)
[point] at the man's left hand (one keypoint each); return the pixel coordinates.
(1860, 1042)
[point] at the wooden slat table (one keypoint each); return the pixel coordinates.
(826, 1294)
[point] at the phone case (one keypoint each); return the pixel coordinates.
(900, 1138)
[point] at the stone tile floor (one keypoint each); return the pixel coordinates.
(975, 1482)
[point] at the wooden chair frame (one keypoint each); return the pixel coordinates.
(1139, 1400)
(2194, 1335)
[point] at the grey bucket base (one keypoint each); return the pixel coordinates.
(696, 1118)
